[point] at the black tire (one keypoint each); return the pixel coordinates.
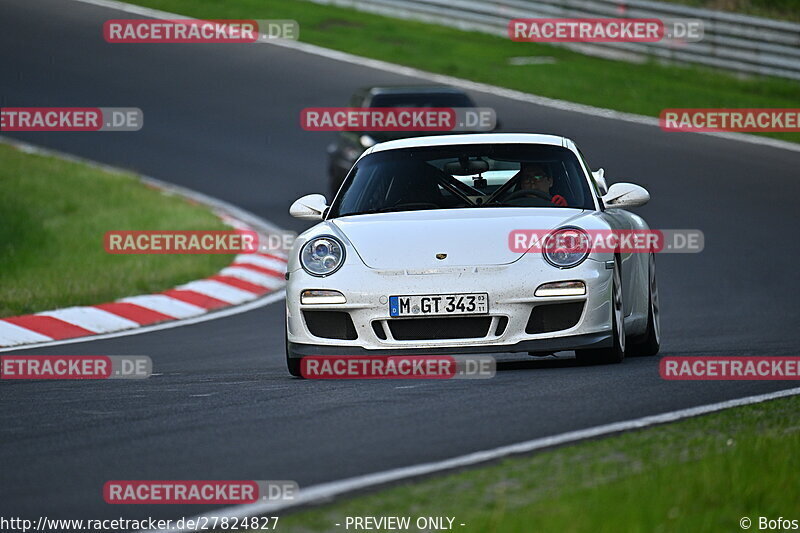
(650, 343)
(293, 364)
(615, 353)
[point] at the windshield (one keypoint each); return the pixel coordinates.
(421, 99)
(464, 176)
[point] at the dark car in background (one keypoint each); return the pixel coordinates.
(350, 145)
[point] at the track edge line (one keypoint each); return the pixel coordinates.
(326, 492)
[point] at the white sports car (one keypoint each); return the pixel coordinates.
(414, 256)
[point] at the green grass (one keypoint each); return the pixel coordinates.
(637, 88)
(53, 216)
(774, 9)
(701, 474)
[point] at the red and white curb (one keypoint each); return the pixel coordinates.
(250, 277)
(247, 278)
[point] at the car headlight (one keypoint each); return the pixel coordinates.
(322, 256)
(567, 247)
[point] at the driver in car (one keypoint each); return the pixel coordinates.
(534, 177)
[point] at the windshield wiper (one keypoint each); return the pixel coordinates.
(391, 209)
(498, 203)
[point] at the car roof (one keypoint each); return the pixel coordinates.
(474, 138)
(414, 89)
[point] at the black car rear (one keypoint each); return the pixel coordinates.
(350, 145)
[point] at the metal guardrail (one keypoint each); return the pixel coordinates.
(740, 43)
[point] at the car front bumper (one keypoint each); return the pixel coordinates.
(510, 289)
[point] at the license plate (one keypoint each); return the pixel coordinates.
(439, 304)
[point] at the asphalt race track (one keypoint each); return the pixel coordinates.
(224, 120)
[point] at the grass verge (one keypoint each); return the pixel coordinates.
(54, 216)
(700, 474)
(636, 88)
(788, 10)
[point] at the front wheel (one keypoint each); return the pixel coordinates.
(293, 364)
(650, 342)
(615, 353)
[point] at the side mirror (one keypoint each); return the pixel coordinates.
(600, 179)
(626, 195)
(309, 207)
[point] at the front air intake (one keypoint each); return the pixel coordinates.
(330, 325)
(554, 317)
(418, 329)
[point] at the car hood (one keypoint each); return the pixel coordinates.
(469, 237)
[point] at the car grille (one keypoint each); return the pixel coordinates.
(554, 317)
(330, 325)
(418, 329)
